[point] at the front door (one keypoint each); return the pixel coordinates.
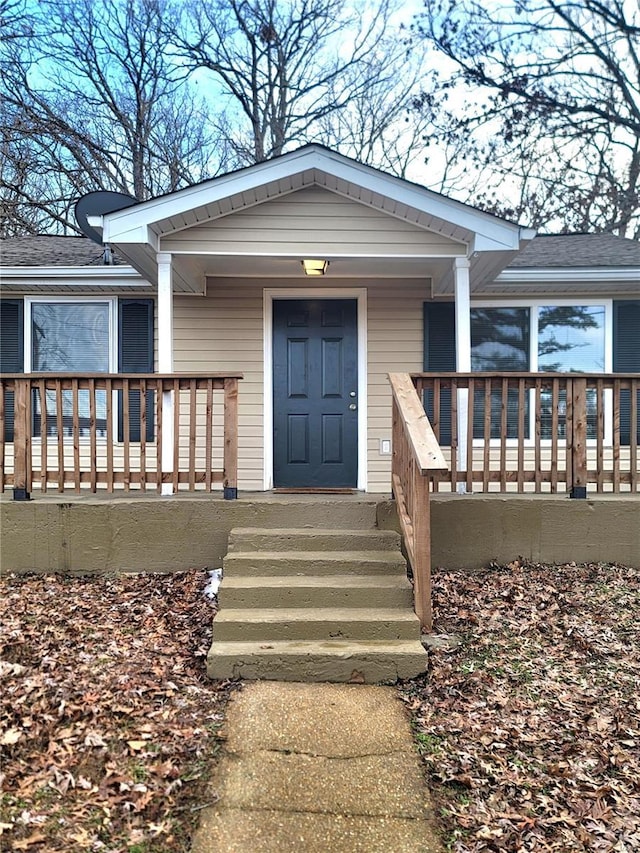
(315, 384)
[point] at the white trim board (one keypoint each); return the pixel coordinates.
(360, 295)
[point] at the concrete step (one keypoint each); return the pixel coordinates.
(367, 661)
(316, 591)
(263, 563)
(329, 512)
(312, 539)
(315, 623)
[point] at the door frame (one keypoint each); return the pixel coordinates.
(274, 293)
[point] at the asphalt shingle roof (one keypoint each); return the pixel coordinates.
(578, 250)
(52, 251)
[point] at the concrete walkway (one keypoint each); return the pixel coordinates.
(319, 768)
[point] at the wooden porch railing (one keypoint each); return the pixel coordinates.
(118, 432)
(535, 432)
(416, 458)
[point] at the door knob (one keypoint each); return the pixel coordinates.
(352, 393)
(353, 407)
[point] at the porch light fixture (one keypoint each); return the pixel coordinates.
(317, 267)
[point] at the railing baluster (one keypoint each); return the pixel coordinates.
(470, 411)
(555, 404)
(3, 454)
(160, 435)
(20, 431)
(60, 430)
(616, 435)
(44, 438)
(126, 434)
(486, 435)
(109, 403)
(504, 399)
(599, 435)
(143, 434)
(192, 434)
(93, 437)
(537, 435)
(208, 439)
(521, 434)
(75, 428)
(633, 436)
(454, 436)
(230, 464)
(175, 479)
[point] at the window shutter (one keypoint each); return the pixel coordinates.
(440, 356)
(135, 355)
(626, 355)
(11, 352)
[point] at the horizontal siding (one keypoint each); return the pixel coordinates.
(395, 344)
(312, 221)
(223, 332)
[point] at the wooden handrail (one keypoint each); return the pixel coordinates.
(416, 457)
(105, 431)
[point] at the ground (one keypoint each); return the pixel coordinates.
(527, 721)
(107, 722)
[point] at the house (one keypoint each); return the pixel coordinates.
(211, 278)
(312, 325)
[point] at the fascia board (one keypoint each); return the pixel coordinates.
(573, 274)
(73, 275)
(124, 225)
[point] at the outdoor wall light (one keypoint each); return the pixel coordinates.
(317, 267)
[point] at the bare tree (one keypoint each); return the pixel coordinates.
(294, 71)
(548, 92)
(92, 100)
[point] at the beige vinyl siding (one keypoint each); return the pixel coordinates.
(223, 332)
(395, 344)
(312, 221)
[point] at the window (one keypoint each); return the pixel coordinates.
(571, 339)
(499, 342)
(594, 336)
(70, 336)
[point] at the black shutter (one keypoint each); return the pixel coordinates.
(626, 355)
(135, 355)
(440, 356)
(11, 352)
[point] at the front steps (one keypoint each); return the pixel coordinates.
(315, 605)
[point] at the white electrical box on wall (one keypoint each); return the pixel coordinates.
(385, 447)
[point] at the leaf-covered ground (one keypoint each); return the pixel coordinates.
(530, 727)
(107, 721)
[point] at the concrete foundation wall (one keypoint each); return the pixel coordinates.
(154, 534)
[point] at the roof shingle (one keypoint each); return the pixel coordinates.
(53, 251)
(578, 250)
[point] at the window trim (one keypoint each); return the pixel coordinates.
(112, 305)
(533, 305)
(110, 301)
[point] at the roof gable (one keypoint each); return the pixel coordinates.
(310, 166)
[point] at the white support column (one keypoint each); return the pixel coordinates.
(463, 355)
(165, 358)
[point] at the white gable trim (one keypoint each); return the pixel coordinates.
(308, 166)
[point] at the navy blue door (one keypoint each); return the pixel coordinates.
(315, 384)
